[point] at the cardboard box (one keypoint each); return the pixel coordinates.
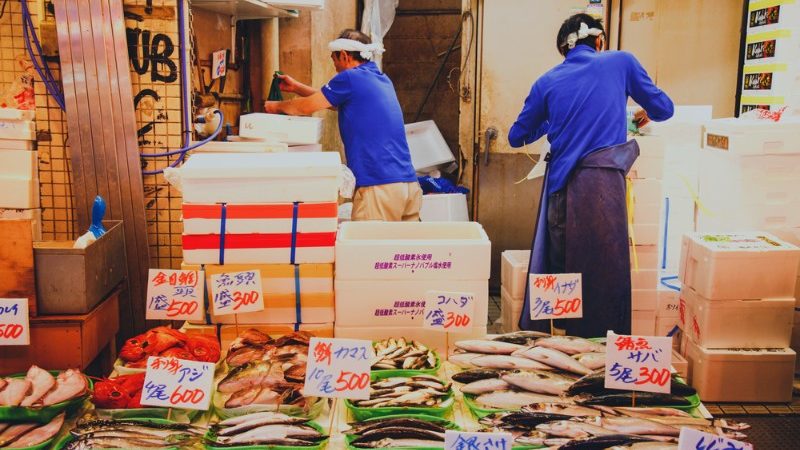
(514, 272)
(644, 279)
(510, 311)
(648, 257)
(647, 191)
(643, 322)
(34, 215)
(442, 343)
(644, 299)
(646, 234)
(680, 364)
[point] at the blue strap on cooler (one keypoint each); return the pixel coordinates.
(222, 219)
(298, 307)
(664, 282)
(673, 331)
(294, 232)
(206, 303)
(666, 233)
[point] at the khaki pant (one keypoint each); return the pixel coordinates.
(393, 202)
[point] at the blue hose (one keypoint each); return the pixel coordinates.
(46, 76)
(182, 151)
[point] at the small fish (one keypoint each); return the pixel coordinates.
(396, 433)
(538, 381)
(651, 412)
(534, 437)
(592, 360)
(484, 386)
(464, 360)
(553, 358)
(512, 400)
(394, 422)
(401, 443)
(625, 398)
(472, 375)
(252, 374)
(635, 425)
(570, 345)
(271, 433)
(646, 446)
(601, 442)
(488, 347)
(572, 429)
(566, 409)
(256, 420)
(507, 362)
(520, 419)
(521, 337)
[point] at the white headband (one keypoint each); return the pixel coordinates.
(582, 33)
(368, 51)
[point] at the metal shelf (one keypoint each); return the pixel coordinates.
(244, 9)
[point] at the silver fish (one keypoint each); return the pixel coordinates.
(566, 409)
(485, 386)
(570, 345)
(272, 432)
(512, 400)
(592, 360)
(404, 443)
(538, 381)
(646, 446)
(651, 412)
(572, 429)
(553, 358)
(464, 360)
(488, 347)
(507, 362)
(635, 425)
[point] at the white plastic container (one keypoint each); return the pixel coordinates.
(510, 311)
(260, 218)
(400, 303)
(731, 266)
(276, 255)
(753, 137)
(428, 148)
(514, 272)
(647, 191)
(18, 129)
(261, 178)
(644, 299)
(9, 114)
(242, 147)
(644, 279)
(763, 323)
(19, 186)
(444, 208)
(647, 167)
(648, 257)
(643, 323)
(281, 128)
(735, 375)
(412, 251)
(442, 343)
(15, 144)
(646, 233)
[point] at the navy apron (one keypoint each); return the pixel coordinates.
(596, 243)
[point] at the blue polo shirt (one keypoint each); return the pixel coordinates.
(371, 126)
(581, 106)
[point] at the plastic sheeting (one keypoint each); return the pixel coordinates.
(376, 21)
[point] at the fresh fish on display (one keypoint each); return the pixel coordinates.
(521, 337)
(252, 374)
(538, 381)
(369, 439)
(593, 361)
(520, 419)
(488, 347)
(393, 422)
(167, 342)
(39, 388)
(594, 383)
(507, 362)
(601, 442)
(248, 422)
(650, 412)
(418, 390)
(14, 391)
(646, 446)
(401, 354)
(472, 375)
(572, 429)
(464, 360)
(633, 425)
(570, 345)
(41, 383)
(512, 400)
(622, 398)
(397, 431)
(485, 386)
(131, 434)
(276, 434)
(553, 358)
(566, 409)
(29, 434)
(69, 384)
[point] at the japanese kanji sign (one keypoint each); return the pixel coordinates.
(14, 322)
(175, 295)
(459, 440)
(178, 383)
(339, 368)
(237, 292)
(691, 439)
(449, 311)
(218, 64)
(638, 363)
(556, 296)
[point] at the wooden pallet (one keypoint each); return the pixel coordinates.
(16, 261)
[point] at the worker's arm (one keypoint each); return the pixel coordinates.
(301, 106)
(289, 84)
(532, 122)
(646, 94)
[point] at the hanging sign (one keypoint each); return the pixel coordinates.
(178, 383)
(691, 439)
(339, 368)
(556, 296)
(638, 363)
(14, 322)
(236, 292)
(219, 64)
(449, 311)
(175, 295)
(460, 440)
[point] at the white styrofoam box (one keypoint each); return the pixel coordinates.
(280, 255)
(19, 186)
(668, 302)
(306, 148)
(647, 213)
(242, 147)
(18, 163)
(400, 302)
(510, 311)
(766, 15)
(644, 299)
(644, 279)
(680, 365)
(647, 191)
(651, 146)
(770, 79)
(647, 167)
(733, 266)
(444, 208)
(427, 145)
(751, 216)
(7, 114)
(261, 177)
(442, 343)
(772, 46)
(760, 323)
(254, 218)
(281, 128)
(648, 257)
(646, 233)
(738, 375)
(15, 144)
(514, 272)
(643, 323)
(737, 179)
(753, 137)
(34, 215)
(412, 251)
(18, 129)
(291, 4)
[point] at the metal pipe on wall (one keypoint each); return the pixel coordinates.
(270, 56)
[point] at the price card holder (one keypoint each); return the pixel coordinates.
(14, 322)
(449, 311)
(339, 368)
(691, 439)
(236, 292)
(555, 296)
(460, 440)
(178, 383)
(175, 295)
(638, 363)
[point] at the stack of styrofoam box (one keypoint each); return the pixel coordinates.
(275, 212)
(736, 312)
(513, 278)
(771, 72)
(386, 271)
(19, 174)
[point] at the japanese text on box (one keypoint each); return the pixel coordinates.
(459, 440)
(14, 322)
(691, 439)
(237, 292)
(339, 368)
(449, 311)
(175, 295)
(638, 363)
(178, 383)
(556, 296)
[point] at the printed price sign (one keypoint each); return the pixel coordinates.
(459, 440)
(14, 325)
(237, 292)
(449, 311)
(175, 295)
(218, 64)
(638, 363)
(339, 368)
(178, 383)
(691, 439)
(556, 296)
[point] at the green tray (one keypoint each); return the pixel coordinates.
(177, 415)
(66, 439)
(43, 414)
(365, 413)
(438, 420)
(210, 436)
(433, 371)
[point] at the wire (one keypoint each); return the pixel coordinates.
(182, 152)
(29, 31)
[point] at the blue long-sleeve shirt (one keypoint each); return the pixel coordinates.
(581, 106)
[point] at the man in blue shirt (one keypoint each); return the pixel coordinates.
(582, 227)
(371, 126)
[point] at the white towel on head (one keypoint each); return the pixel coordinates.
(367, 51)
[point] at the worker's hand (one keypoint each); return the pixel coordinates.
(271, 107)
(640, 118)
(288, 84)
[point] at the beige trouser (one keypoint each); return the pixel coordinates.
(393, 202)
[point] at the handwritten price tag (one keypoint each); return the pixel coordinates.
(339, 368)
(449, 311)
(178, 383)
(237, 292)
(556, 296)
(638, 363)
(459, 440)
(14, 324)
(218, 64)
(175, 295)
(691, 439)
